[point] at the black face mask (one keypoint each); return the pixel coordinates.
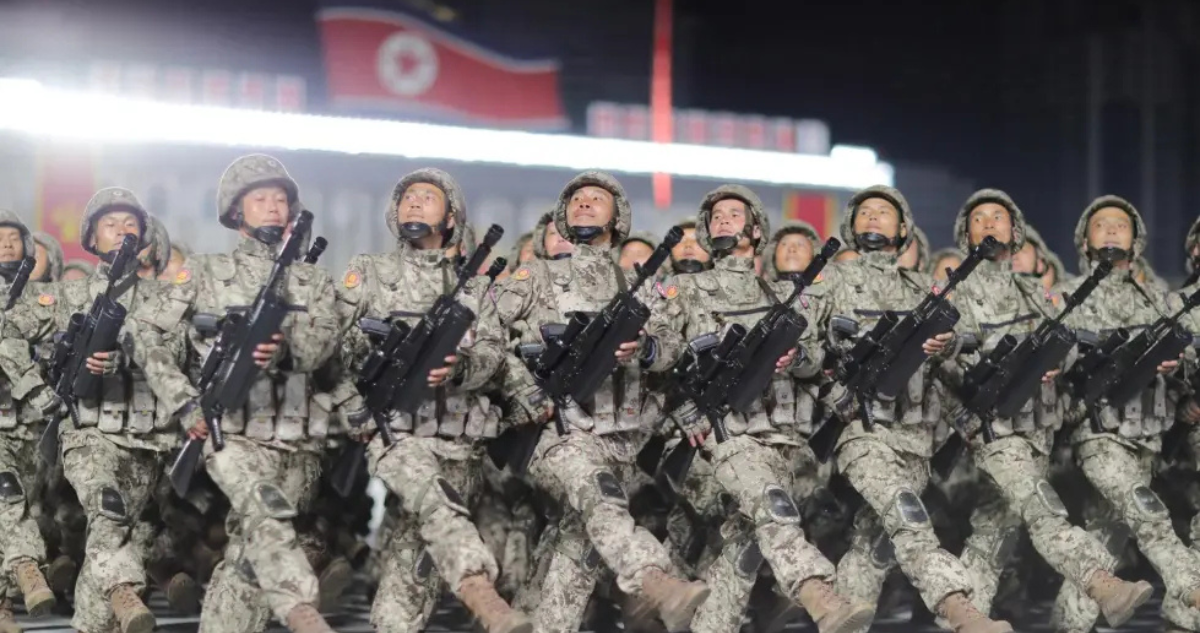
(585, 234)
(792, 276)
(1110, 254)
(269, 235)
(559, 256)
(8, 270)
(688, 266)
(874, 241)
(724, 244)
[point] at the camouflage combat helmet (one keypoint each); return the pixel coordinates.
(622, 213)
(962, 231)
(539, 235)
(107, 200)
(753, 204)
(687, 223)
(455, 202)
(940, 254)
(922, 247)
(469, 240)
(1081, 228)
(791, 227)
(87, 268)
(54, 255)
(160, 246)
(890, 194)
(1052, 258)
(245, 174)
(9, 218)
(514, 257)
(644, 237)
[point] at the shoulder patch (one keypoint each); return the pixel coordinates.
(819, 278)
(670, 292)
(45, 299)
(183, 276)
(353, 278)
(1054, 297)
(522, 274)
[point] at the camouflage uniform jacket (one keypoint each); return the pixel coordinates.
(283, 409)
(712, 301)
(127, 412)
(542, 292)
(403, 285)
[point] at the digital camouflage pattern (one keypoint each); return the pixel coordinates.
(922, 248)
(159, 254)
(791, 227)
(940, 254)
(1117, 461)
(54, 256)
(87, 268)
(1015, 491)
(1052, 259)
(889, 465)
(270, 462)
(112, 199)
(622, 222)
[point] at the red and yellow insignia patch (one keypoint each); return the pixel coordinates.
(672, 292)
(46, 300)
(352, 279)
(1054, 298)
(819, 278)
(183, 276)
(522, 274)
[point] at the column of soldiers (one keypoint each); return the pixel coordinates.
(541, 513)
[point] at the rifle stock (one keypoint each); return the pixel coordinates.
(19, 281)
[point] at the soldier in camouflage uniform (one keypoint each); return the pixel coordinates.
(49, 258)
(1148, 277)
(636, 249)
(1051, 269)
(687, 257)
(1190, 407)
(179, 254)
(585, 467)
(942, 259)
(115, 453)
(1117, 461)
(271, 461)
(21, 392)
(889, 464)
(77, 269)
(434, 465)
(756, 463)
(1015, 491)
(790, 250)
(548, 243)
(916, 255)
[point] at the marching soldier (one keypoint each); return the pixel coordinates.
(49, 258)
(687, 257)
(790, 251)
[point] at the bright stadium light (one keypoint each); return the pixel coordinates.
(29, 107)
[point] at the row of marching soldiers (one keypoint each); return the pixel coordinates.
(524, 501)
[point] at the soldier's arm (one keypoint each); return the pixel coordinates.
(312, 334)
(667, 325)
(158, 330)
(514, 302)
(30, 321)
(481, 356)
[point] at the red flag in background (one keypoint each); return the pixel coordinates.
(660, 94)
(819, 210)
(66, 180)
(385, 59)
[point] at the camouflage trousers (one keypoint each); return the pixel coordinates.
(114, 483)
(1193, 439)
(1015, 494)
(1121, 473)
(435, 539)
(21, 540)
(760, 478)
(586, 473)
(893, 527)
(264, 570)
(507, 524)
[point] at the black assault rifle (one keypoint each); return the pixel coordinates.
(395, 376)
(575, 360)
(88, 333)
(229, 369)
(19, 281)
(720, 376)
(880, 364)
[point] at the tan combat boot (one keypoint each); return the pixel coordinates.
(62, 573)
(637, 614)
(8, 623)
(675, 599)
(479, 595)
(39, 600)
(963, 617)
(832, 612)
(132, 614)
(304, 618)
(1117, 598)
(183, 593)
(333, 581)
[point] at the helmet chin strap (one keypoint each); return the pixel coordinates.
(875, 241)
(8, 270)
(586, 234)
(1110, 254)
(689, 266)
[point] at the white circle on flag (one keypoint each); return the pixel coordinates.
(407, 64)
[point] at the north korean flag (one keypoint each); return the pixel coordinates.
(390, 61)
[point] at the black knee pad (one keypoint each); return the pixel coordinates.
(10, 488)
(610, 488)
(590, 559)
(749, 560)
(912, 512)
(423, 566)
(1148, 504)
(112, 505)
(780, 506)
(272, 501)
(883, 552)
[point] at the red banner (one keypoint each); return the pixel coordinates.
(818, 210)
(66, 180)
(386, 60)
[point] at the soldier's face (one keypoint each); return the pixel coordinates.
(793, 253)
(71, 274)
(526, 253)
(590, 206)
(909, 258)
(423, 202)
(989, 219)
(949, 261)
(265, 206)
(729, 217)
(634, 253)
(12, 247)
(689, 248)
(877, 215)
(43, 262)
(554, 242)
(1026, 259)
(1110, 227)
(112, 227)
